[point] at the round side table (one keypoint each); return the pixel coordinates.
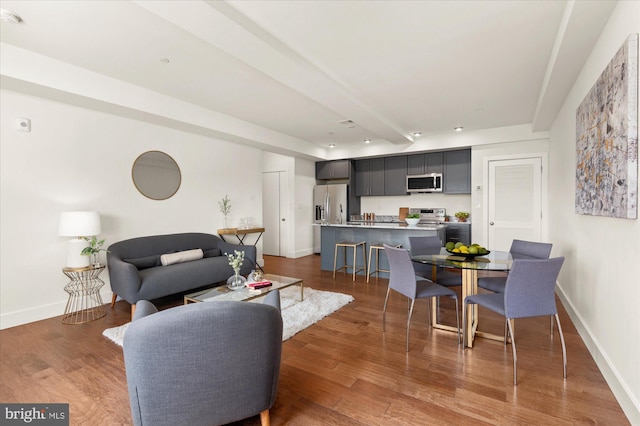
(85, 303)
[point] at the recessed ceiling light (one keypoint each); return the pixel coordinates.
(165, 60)
(333, 145)
(367, 141)
(458, 129)
(479, 109)
(416, 134)
(9, 16)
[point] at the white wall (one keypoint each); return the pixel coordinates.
(298, 199)
(305, 180)
(600, 280)
(77, 159)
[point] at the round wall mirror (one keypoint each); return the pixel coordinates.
(156, 175)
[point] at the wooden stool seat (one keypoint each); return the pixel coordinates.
(377, 247)
(354, 245)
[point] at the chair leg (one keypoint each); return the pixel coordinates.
(264, 418)
(384, 309)
(515, 356)
(551, 321)
(369, 266)
(413, 301)
(457, 319)
(464, 324)
(564, 348)
(113, 299)
(133, 310)
(335, 259)
(355, 253)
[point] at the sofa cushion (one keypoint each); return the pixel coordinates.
(144, 262)
(213, 252)
(181, 256)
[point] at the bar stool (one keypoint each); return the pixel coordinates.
(354, 245)
(377, 247)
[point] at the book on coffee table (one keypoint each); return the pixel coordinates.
(258, 285)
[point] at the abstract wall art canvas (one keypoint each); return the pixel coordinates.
(607, 140)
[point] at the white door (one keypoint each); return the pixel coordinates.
(273, 213)
(515, 201)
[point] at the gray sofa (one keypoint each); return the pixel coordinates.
(136, 273)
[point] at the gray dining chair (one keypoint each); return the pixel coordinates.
(207, 363)
(520, 249)
(529, 292)
(403, 279)
(432, 245)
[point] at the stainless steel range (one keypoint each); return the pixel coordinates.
(431, 215)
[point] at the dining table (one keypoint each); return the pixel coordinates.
(469, 266)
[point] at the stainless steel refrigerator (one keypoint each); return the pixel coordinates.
(330, 206)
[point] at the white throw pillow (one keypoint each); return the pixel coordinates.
(181, 256)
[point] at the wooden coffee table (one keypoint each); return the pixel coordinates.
(223, 293)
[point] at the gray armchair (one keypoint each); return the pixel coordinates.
(205, 363)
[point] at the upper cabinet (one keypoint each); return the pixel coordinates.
(457, 172)
(420, 164)
(388, 175)
(338, 169)
(370, 177)
(395, 175)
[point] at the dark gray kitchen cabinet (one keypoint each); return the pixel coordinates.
(337, 169)
(370, 177)
(457, 172)
(459, 233)
(395, 175)
(420, 164)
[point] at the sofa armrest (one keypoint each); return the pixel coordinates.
(273, 299)
(250, 254)
(125, 279)
(144, 308)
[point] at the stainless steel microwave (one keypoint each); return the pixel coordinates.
(431, 182)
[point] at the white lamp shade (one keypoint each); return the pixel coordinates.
(79, 224)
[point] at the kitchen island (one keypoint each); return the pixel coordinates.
(371, 232)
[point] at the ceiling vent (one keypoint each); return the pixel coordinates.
(348, 123)
(9, 16)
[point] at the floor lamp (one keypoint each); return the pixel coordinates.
(78, 225)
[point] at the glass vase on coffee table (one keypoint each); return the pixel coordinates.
(236, 281)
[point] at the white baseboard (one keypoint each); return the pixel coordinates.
(13, 319)
(302, 253)
(620, 389)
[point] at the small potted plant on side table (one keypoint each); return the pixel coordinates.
(94, 249)
(225, 209)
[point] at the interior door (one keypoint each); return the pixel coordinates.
(273, 213)
(515, 201)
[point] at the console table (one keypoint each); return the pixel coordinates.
(241, 234)
(85, 302)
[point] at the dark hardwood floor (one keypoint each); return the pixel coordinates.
(342, 370)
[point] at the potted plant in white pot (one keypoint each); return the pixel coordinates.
(412, 219)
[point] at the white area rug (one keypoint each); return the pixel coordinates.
(296, 315)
